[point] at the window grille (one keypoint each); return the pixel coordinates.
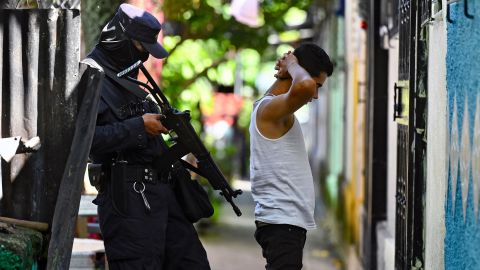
(405, 39)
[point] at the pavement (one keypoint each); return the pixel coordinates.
(230, 244)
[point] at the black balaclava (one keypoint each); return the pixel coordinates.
(117, 51)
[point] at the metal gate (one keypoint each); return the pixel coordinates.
(410, 114)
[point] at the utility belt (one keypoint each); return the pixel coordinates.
(143, 173)
(99, 174)
(119, 176)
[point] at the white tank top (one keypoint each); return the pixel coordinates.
(281, 178)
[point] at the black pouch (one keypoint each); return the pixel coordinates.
(95, 175)
(191, 196)
(118, 182)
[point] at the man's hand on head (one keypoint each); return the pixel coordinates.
(290, 59)
(282, 65)
(153, 124)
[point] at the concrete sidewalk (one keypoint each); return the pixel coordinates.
(230, 243)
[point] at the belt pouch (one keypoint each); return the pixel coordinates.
(118, 182)
(95, 175)
(191, 196)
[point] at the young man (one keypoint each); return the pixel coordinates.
(282, 182)
(142, 224)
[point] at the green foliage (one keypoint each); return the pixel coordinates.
(207, 39)
(211, 20)
(203, 50)
(244, 117)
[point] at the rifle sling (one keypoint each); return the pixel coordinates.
(126, 84)
(191, 167)
(112, 98)
(166, 161)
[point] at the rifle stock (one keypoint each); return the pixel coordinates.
(186, 140)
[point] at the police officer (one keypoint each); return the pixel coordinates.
(141, 222)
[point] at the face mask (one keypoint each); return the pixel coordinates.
(119, 49)
(138, 55)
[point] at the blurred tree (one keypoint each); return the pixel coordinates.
(211, 19)
(204, 39)
(208, 23)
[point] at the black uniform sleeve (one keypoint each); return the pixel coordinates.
(118, 136)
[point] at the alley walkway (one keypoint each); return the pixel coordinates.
(230, 244)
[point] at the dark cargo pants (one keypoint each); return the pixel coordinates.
(161, 240)
(282, 245)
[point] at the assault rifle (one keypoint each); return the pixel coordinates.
(185, 138)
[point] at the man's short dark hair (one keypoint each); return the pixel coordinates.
(313, 59)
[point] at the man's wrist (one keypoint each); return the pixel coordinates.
(290, 65)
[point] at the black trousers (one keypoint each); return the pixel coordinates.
(282, 245)
(160, 240)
